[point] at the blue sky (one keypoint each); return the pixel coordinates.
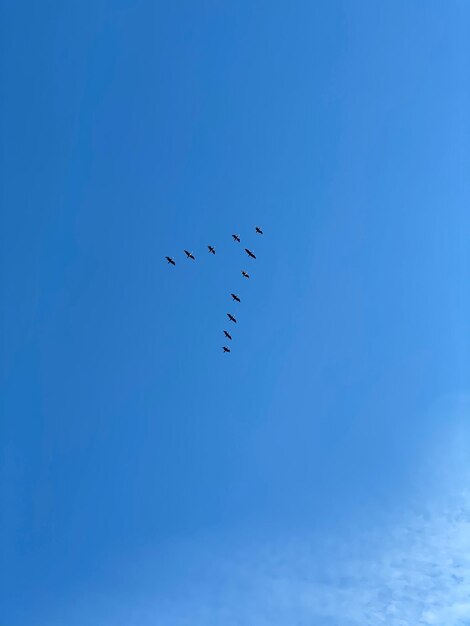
(147, 478)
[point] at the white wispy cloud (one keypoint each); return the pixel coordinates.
(419, 573)
(412, 570)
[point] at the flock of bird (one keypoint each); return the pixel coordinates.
(235, 297)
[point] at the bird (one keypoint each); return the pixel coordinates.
(235, 297)
(225, 349)
(250, 253)
(258, 230)
(245, 274)
(228, 335)
(211, 249)
(231, 318)
(189, 255)
(236, 238)
(170, 260)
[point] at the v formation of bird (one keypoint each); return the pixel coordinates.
(235, 297)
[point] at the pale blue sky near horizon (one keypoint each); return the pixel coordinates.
(131, 130)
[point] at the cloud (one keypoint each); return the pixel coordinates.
(410, 569)
(415, 572)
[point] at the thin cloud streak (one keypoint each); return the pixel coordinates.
(420, 575)
(411, 570)
(417, 572)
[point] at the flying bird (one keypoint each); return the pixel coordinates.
(189, 255)
(170, 260)
(228, 335)
(258, 230)
(250, 253)
(236, 238)
(245, 274)
(211, 249)
(225, 349)
(231, 318)
(235, 297)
